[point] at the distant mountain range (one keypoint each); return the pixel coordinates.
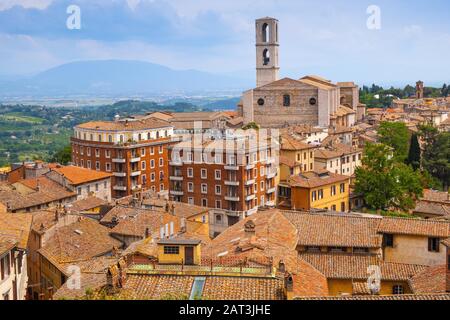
(119, 77)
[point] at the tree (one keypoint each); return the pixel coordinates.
(386, 183)
(251, 125)
(395, 135)
(63, 156)
(414, 152)
(436, 154)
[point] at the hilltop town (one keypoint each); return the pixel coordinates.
(300, 193)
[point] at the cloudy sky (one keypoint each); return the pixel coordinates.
(326, 37)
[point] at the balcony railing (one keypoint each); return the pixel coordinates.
(178, 192)
(271, 190)
(135, 159)
(119, 160)
(120, 174)
(232, 183)
(250, 197)
(230, 197)
(176, 178)
(135, 173)
(232, 167)
(120, 188)
(250, 182)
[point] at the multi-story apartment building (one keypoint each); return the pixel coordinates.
(315, 190)
(234, 176)
(296, 156)
(14, 231)
(338, 158)
(134, 150)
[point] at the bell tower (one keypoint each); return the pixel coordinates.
(267, 67)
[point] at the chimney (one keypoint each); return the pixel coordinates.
(249, 229)
(38, 185)
(289, 286)
(56, 215)
(122, 266)
(281, 267)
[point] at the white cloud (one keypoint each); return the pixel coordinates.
(37, 4)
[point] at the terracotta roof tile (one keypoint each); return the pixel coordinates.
(444, 296)
(314, 179)
(419, 227)
(78, 175)
(355, 266)
(16, 227)
(335, 230)
(123, 125)
(78, 242)
(431, 280)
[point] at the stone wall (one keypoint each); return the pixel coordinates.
(274, 114)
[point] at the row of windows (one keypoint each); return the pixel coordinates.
(318, 194)
(108, 167)
(107, 153)
(218, 203)
(287, 101)
(218, 158)
(96, 187)
(110, 139)
(433, 243)
(218, 173)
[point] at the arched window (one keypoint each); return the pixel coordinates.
(148, 135)
(286, 100)
(139, 137)
(110, 138)
(266, 57)
(100, 138)
(121, 138)
(265, 32)
(157, 134)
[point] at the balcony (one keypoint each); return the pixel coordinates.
(135, 173)
(252, 211)
(250, 182)
(118, 160)
(234, 198)
(271, 175)
(271, 190)
(176, 192)
(176, 178)
(177, 163)
(270, 160)
(234, 213)
(120, 174)
(250, 197)
(250, 166)
(135, 159)
(136, 187)
(120, 188)
(231, 167)
(270, 203)
(232, 183)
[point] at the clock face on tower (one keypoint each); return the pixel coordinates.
(260, 101)
(313, 101)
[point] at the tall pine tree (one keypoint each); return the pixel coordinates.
(414, 152)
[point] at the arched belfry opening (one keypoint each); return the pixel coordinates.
(265, 33)
(267, 46)
(266, 57)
